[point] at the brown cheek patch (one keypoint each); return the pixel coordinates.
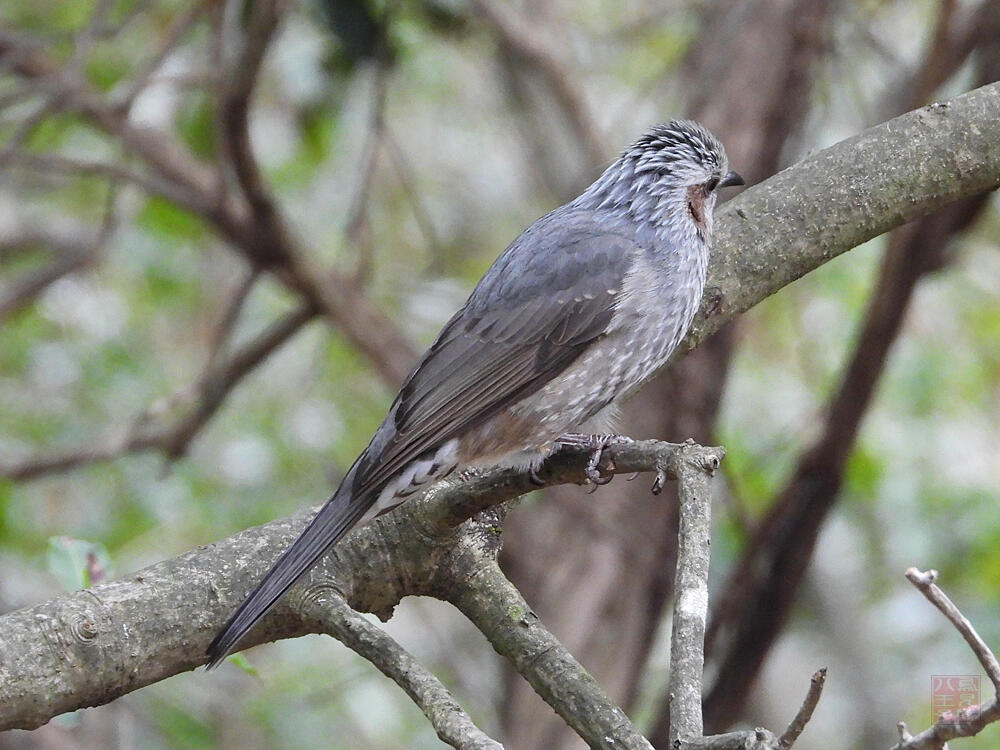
(696, 205)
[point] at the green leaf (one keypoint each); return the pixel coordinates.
(196, 124)
(168, 220)
(106, 67)
(243, 663)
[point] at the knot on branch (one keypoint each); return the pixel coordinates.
(703, 458)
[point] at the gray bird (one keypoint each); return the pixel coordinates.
(581, 308)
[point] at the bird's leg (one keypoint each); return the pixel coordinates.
(596, 445)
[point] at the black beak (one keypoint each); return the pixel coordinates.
(731, 178)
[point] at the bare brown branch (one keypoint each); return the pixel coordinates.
(925, 583)
(172, 37)
(756, 600)
(452, 724)
(87, 656)
(114, 172)
(524, 39)
(71, 254)
(694, 468)
(219, 381)
(967, 722)
(271, 247)
(791, 734)
(170, 160)
(197, 408)
(356, 226)
(23, 291)
(253, 225)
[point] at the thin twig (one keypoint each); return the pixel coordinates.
(230, 315)
(21, 292)
(17, 240)
(73, 166)
(220, 83)
(405, 173)
(135, 11)
(791, 734)
(71, 256)
(450, 721)
(357, 214)
(26, 127)
(25, 56)
(146, 70)
(218, 382)
(16, 96)
(526, 40)
(173, 439)
(971, 720)
(85, 38)
(924, 581)
(235, 113)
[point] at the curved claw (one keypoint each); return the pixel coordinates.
(661, 479)
(534, 478)
(596, 444)
(595, 477)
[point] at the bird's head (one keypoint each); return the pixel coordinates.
(684, 165)
(670, 176)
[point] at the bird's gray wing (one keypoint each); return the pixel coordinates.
(550, 294)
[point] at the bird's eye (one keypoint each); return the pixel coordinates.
(711, 184)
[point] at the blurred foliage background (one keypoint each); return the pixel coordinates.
(406, 143)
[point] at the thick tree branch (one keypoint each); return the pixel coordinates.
(755, 602)
(845, 195)
(687, 640)
(694, 467)
(91, 646)
(104, 642)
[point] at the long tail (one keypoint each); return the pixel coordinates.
(334, 519)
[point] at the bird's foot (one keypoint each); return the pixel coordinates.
(468, 473)
(596, 445)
